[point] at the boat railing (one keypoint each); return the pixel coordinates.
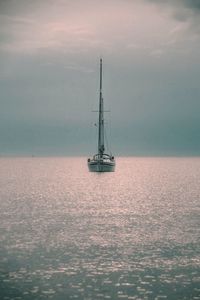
(104, 157)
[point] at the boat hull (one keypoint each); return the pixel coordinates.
(101, 166)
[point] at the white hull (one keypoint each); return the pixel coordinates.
(101, 166)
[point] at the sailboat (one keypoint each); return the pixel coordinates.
(101, 162)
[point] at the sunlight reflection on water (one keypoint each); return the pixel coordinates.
(66, 233)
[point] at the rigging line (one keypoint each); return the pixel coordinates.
(106, 141)
(109, 124)
(93, 133)
(109, 132)
(107, 144)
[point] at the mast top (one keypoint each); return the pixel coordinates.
(100, 76)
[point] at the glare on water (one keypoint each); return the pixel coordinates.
(66, 233)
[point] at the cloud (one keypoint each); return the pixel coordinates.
(182, 11)
(25, 35)
(81, 26)
(193, 4)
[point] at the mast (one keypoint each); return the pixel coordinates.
(101, 117)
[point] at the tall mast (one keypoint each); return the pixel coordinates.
(101, 117)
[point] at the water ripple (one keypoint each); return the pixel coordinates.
(69, 234)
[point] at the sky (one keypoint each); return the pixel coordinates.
(49, 76)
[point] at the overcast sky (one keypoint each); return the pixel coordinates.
(49, 76)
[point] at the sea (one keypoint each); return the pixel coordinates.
(66, 233)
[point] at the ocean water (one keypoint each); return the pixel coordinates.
(66, 233)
